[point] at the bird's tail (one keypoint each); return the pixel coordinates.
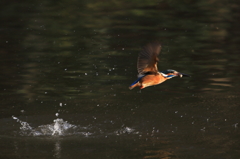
(134, 85)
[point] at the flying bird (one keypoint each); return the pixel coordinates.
(148, 74)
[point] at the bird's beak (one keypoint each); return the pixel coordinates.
(183, 75)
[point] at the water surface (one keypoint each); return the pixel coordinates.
(66, 67)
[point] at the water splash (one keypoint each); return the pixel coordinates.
(25, 127)
(59, 127)
(125, 130)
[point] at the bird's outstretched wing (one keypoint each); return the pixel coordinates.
(147, 58)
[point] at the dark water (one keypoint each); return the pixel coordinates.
(66, 67)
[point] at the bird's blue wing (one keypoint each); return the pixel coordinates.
(136, 81)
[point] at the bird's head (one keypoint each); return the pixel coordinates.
(172, 73)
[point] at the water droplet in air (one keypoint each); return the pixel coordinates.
(235, 125)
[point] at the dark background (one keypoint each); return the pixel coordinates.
(77, 58)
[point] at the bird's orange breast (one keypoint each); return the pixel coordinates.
(150, 80)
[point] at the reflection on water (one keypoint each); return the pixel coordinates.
(158, 154)
(57, 150)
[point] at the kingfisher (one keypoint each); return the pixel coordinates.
(148, 74)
